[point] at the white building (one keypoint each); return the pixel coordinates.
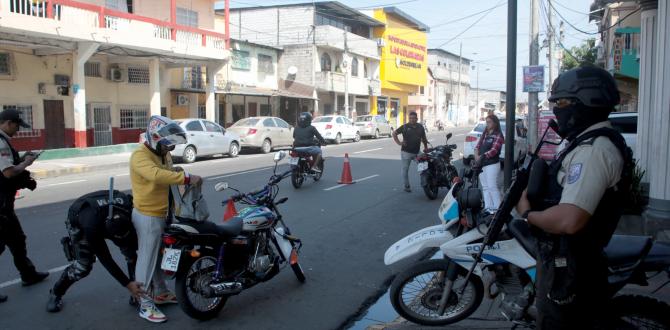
(91, 72)
(326, 45)
(452, 75)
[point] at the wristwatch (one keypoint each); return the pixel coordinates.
(524, 216)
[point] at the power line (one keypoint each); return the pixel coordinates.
(599, 31)
(545, 12)
(385, 5)
(570, 9)
(471, 25)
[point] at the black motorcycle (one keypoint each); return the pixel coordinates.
(212, 262)
(301, 167)
(436, 168)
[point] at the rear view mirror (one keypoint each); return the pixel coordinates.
(221, 186)
(449, 135)
(279, 155)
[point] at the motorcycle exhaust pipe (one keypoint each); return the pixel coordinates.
(223, 289)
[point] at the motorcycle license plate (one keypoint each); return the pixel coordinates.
(293, 161)
(171, 259)
(422, 166)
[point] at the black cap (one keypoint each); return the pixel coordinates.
(15, 116)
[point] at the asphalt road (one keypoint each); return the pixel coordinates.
(345, 231)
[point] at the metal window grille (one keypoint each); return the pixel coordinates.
(26, 113)
(202, 111)
(187, 17)
(265, 64)
(138, 75)
(5, 64)
(134, 116)
(92, 69)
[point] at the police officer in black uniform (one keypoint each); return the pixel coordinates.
(14, 177)
(575, 213)
(89, 224)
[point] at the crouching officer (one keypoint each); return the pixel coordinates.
(574, 207)
(14, 176)
(88, 224)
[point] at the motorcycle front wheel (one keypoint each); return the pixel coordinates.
(416, 293)
(429, 187)
(190, 285)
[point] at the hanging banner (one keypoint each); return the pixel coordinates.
(533, 79)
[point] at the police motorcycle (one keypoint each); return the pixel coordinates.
(498, 253)
(212, 262)
(301, 167)
(435, 168)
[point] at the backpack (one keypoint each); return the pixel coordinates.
(189, 205)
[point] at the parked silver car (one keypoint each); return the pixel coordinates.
(373, 126)
(263, 132)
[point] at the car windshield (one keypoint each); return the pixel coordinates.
(246, 122)
(479, 128)
(322, 119)
(363, 118)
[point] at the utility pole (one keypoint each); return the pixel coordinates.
(550, 50)
(346, 76)
(534, 59)
(511, 89)
(458, 88)
(561, 29)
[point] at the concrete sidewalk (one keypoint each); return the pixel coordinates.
(43, 169)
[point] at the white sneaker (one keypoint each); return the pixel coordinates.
(151, 313)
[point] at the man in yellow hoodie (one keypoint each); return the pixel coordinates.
(151, 174)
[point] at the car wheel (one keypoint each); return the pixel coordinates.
(338, 138)
(357, 137)
(377, 134)
(234, 149)
(190, 154)
(267, 146)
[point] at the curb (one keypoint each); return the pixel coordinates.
(45, 174)
(89, 151)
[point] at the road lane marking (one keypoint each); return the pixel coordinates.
(239, 173)
(359, 180)
(362, 151)
(63, 183)
(18, 280)
(127, 174)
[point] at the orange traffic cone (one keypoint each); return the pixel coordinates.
(230, 210)
(346, 172)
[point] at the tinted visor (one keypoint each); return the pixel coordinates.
(171, 135)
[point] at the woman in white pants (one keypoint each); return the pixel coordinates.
(487, 155)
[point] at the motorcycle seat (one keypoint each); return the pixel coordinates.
(520, 230)
(230, 228)
(301, 151)
(627, 249)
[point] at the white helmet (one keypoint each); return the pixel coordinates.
(162, 130)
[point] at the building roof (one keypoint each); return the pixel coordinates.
(333, 9)
(444, 52)
(407, 18)
(255, 44)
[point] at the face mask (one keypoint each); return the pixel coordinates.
(565, 119)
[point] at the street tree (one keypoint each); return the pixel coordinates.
(585, 53)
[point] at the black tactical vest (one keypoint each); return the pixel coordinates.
(7, 185)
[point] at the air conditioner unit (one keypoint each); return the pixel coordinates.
(381, 42)
(182, 99)
(116, 74)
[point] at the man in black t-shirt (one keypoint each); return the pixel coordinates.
(412, 136)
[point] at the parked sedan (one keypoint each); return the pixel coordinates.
(626, 124)
(373, 126)
(336, 128)
(203, 138)
(263, 133)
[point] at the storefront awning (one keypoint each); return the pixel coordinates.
(290, 88)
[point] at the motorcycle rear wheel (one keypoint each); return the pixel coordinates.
(318, 176)
(189, 285)
(415, 294)
(297, 178)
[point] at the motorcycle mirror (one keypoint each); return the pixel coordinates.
(449, 136)
(279, 155)
(221, 186)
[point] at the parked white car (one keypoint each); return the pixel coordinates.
(336, 128)
(626, 124)
(520, 141)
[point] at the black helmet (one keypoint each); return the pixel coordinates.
(120, 226)
(592, 86)
(305, 119)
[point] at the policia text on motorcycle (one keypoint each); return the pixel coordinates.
(14, 177)
(575, 210)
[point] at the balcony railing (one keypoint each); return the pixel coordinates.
(89, 15)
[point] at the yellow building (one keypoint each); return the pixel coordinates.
(404, 63)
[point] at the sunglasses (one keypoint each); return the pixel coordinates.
(564, 103)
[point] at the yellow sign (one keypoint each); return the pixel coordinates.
(405, 56)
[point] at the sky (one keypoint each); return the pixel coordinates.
(482, 36)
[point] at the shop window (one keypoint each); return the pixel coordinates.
(134, 116)
(26, 113)
(265, 110)
(138, 75)
(265, 64)
(238, 112)
(202, 111)
(354, 67)
(92, 69)
(5, 64)
(325, 62)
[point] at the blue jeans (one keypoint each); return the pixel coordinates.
(312, 150)
(406, 158)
